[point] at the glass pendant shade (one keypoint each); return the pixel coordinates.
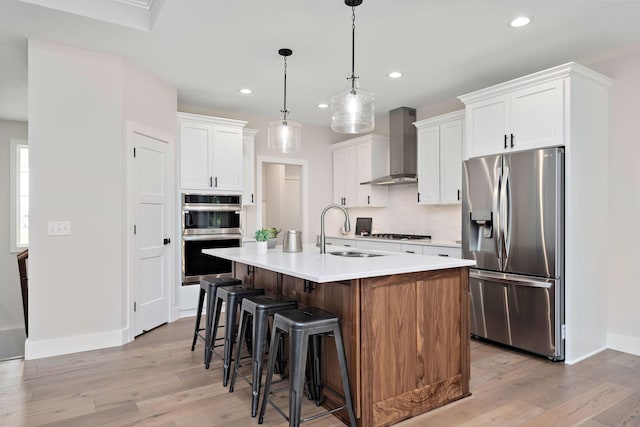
(352, 111)
(284, 136)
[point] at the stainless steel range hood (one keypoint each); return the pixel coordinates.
(403, 146)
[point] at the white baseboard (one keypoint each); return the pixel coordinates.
(74, 344)
(624, 343)
(192, 312)
(584, 356)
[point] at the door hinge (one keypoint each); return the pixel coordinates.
(135, 307)
(134, 151)
(563, 332)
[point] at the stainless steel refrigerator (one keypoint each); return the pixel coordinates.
(513, 227)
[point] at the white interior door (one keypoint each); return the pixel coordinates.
(152, 255)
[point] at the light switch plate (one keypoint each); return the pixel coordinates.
(59, 228)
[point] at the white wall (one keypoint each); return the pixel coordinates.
(405, 216)
(79, 103)
(623, 281)
(11, 318)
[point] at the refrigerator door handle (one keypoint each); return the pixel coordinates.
(497, 204)
(509, 279)
(505, 213)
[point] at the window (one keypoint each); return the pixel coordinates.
(19, 181)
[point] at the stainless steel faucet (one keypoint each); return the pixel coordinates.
(347, 224)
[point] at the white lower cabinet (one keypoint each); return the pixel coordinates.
(411, 249)
(378, 246)
(391, 246)
(340, 242)
(442, 251)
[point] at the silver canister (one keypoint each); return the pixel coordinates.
(292, 241)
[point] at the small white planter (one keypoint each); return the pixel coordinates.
(261, 247)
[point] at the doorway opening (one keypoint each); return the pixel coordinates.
(282, 196)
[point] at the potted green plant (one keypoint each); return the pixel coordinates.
(262, 238)
(273, 237)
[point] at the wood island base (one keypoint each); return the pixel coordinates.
(406, 338)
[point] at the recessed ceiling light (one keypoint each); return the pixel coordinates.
(395, 74)
(245, 91)
(323, 105)
(520, 21)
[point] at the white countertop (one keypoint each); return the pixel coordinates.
(321, 268)
(423, 242)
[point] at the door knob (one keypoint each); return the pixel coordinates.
(166, 241)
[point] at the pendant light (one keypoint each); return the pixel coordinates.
(352, 110)
(284, 135)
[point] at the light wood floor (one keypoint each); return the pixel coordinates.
(157, 381)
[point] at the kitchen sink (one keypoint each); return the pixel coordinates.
(355, 254)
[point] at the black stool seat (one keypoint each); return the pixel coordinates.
(301, 325)
(260, 308)
(232, 296)
(210, 286)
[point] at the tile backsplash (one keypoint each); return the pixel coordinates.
(404, 215)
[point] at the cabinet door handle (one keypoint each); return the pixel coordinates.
(348, 246)
(251, 197)
(505, 141)
(210, 181)
(418, 197)
(368, 200)
(215, 182)
(410, 252)
(512, 145)
(458, 195)
(443, 254)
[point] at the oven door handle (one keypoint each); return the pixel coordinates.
(192, 238)
(216, 208)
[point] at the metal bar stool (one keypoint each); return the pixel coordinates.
(301, 325)
(260, 308)
(232, 296)
(208, 287)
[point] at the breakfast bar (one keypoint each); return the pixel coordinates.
(405, 322)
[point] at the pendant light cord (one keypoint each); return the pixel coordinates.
(353, 48)
(284, 111)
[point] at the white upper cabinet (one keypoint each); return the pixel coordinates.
(344, 176)
(248, 166)
(520, 115)
(360, 160)
(210, 153)
(439, 167)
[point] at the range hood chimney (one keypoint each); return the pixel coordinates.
(403, 149)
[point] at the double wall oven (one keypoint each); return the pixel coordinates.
(208, 222)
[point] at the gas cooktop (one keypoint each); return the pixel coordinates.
(392, 236)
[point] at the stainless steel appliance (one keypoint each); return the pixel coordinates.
(208, 222)
(513, 227)
(292, 241)
(403, 149)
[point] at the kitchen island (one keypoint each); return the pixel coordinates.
(405, 322)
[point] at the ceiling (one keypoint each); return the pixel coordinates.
(209, 49)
